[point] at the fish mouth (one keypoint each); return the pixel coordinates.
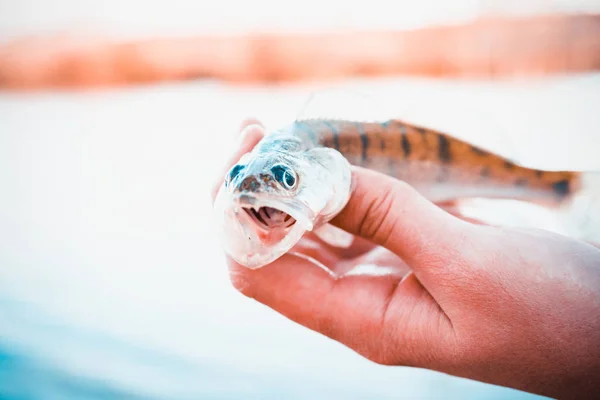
(272, 213)
(268, 218)
(256, 230)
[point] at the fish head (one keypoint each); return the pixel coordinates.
(273, 174)
(268, 200)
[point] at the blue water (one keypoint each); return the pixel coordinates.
(44, 369)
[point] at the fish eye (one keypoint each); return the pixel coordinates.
(284, 175)
(233, 172)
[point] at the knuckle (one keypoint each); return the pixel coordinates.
(386, 353)
(391, 355)
(241, 282)
(378, 352)
(329, 327)
(382, 359)
(377, 223)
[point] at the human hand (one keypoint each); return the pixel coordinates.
(512, 307)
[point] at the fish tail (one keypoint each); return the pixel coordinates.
(590, 184)
(580, 209)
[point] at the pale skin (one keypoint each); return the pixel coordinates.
(512, 307)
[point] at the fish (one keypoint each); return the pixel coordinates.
(287, 185)
(298, 178)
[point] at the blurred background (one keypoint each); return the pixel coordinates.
(116, 116)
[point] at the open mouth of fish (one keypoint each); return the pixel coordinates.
(268, 218)
(270, 213)
(257, 229)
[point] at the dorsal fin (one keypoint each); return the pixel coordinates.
(342, 104)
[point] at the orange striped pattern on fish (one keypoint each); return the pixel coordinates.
(424, 157)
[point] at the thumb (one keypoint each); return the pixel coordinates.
(391, 213)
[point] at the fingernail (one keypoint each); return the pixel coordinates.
(249, 121)
(242, 136)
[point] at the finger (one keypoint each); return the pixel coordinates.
(330, 257)
(363, 259)
(378, 261)
(337, 259)
(314, 248)
(358, 247)
(250, 135)
(397, 217)
(381, 317)
(246, 123)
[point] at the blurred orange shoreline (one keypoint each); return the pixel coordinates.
(486, 48)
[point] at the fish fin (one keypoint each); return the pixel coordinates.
(452, 207)
(350, 104)
(341, 103)
(338, 172)
(463, 209)
(581, 211)
(590, 185)
(334, 236)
